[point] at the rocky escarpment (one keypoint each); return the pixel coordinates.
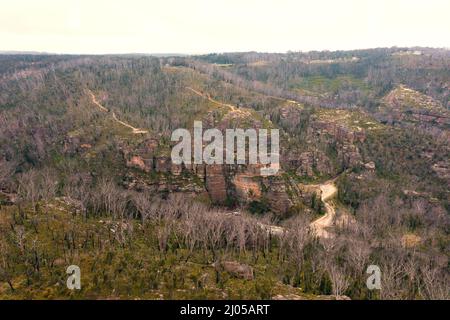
(405, 105)
(215, 182)
(342, 139)
(331, 145)
(224, 184)
(321, 143)
(310, 163)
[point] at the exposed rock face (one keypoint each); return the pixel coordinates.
(278, 197)
(73, 144)
(305, 164)
(291, 114)
(309, 193)
(349, 156)
(404, 97)
(338, 132)
(8, 198)
(370, 166)
(138, 162)
(241, 183)
(338, 149)
(163, 164)
(404, 105)
(215, 183)
(236, 269)
(176, 169)
(308, 162)
(244, 183)
(247, 188)
(442, 169)
(331, 143)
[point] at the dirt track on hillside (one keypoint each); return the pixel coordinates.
(102, 108)
(233, 109)
(320, 225)
(328, 189)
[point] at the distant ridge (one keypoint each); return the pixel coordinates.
(160, 55)
(26, 52)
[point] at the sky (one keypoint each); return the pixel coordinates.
(202, 26)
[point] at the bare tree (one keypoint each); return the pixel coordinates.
(358, 255)
(295, 239)
(47, 184)
(392, 277)
(29, 187)
(6, 171)
(339, 279)
(112, 199)
(142, 201)
(435, 283)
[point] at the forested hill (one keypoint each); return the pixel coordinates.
(86, 176)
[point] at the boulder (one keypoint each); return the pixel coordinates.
(236, 269)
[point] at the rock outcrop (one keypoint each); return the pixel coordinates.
(236, 269)
(215, 183)
(243, 184)
(442, 170)
(405, 105)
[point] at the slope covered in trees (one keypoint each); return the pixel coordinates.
(79, 185)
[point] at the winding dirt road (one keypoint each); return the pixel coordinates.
(320, 225)
(233, 109)
(95, 101)
(207, 96)
(102, 108)
(135, 130)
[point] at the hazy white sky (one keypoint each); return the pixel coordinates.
(200, 26)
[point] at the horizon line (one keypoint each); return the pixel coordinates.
(35, 52)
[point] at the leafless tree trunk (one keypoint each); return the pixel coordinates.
(339, 279)
(435, 283)
(29, 188)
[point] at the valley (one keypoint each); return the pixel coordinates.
(87, 178)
